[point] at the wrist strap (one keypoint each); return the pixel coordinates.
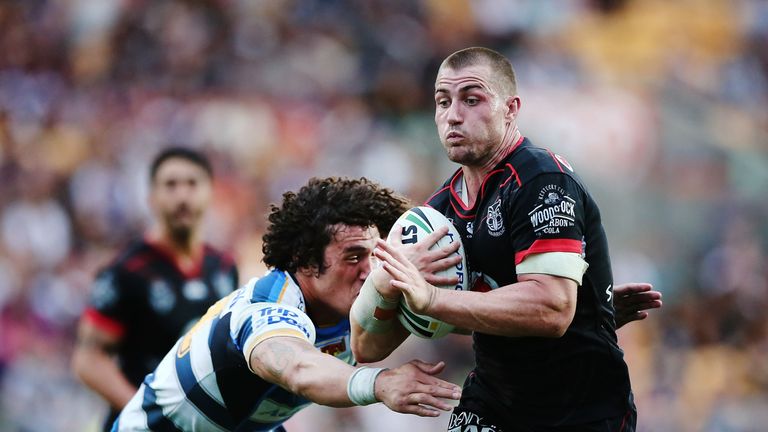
(361, 385)
(371, 311)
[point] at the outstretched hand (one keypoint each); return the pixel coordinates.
(631, 300)
(413, 389)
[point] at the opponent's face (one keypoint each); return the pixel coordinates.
(470, 114)
(179, 196)
(348, 261)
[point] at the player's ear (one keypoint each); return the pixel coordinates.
(513, 104)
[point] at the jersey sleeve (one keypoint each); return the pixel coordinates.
(260, 321)
(107, 308)
(548, 224)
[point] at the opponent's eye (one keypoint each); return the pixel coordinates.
(472, 101)
(443, 103)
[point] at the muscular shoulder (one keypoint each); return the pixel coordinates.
(276, 286)
(529, 162)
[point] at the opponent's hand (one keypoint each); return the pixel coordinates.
(413, 389)
(631, 300)
(418, 293)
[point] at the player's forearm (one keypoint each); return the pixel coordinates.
(521, 309)
(370, 347)
(100, 373)
(303, 370)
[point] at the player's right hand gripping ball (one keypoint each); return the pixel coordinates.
(418, 223)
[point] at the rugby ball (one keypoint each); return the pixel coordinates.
(417, 223)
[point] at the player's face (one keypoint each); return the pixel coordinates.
(471, 116)
(348, 261)
(180, 195)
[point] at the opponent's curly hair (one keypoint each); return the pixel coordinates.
(302, 226)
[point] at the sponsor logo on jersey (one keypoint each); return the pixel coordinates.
(279, 317)
(466, 421)
(470, 229)
(554, 210)
(194, 290)
(495, 221)
(104, 293)
(161, 297)
(223, 284)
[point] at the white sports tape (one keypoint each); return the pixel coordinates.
(361, 385)
(364, 309)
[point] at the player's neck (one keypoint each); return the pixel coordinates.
(475, 174)
(186, 248)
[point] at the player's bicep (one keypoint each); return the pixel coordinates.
(273, 359)
(568, 265)
(92, 336)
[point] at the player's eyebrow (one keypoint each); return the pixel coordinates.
(355, 249)
(464, 89)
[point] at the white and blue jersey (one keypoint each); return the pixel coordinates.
(205, 383)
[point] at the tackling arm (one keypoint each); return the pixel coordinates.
(297, 366)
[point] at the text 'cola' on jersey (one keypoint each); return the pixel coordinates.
(532, 205)
(205, 382)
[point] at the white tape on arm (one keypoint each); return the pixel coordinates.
(373, 313)
(361, 385)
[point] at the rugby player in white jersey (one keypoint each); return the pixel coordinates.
(282, 341)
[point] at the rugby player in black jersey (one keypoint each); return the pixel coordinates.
(156, 288)
(542, 305)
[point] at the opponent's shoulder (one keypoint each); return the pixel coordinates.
(223, 257)
(276, 286)
(132, 258)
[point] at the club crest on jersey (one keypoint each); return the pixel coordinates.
(554, 210)
(495, 220)
(161, 297)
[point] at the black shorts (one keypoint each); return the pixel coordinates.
(479, 412)
(464, 420)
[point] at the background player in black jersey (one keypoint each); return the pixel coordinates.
(157, 287)
(541, 309)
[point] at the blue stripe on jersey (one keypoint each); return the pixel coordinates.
(245, 331)
(156, 421)
(198, 396)
(330, 332)
(268, 288)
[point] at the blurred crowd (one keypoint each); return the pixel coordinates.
(660, 106)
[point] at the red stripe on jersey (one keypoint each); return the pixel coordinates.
(554, 245)
(136, 263)
(555, 159)
(103, 322)
(482, 186)
(190, 272)
(514, 174)
(434, 195)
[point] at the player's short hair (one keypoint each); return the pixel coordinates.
(185, 153)
(301, 227)
(500, 65)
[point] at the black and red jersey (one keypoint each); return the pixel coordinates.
(532, 204)
(146, 300)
